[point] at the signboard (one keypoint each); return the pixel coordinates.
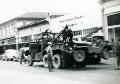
(75, 22)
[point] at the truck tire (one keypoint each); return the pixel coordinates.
(45, 63)
(29, 60)
(58, 61)
(79, 56)
(106, 54)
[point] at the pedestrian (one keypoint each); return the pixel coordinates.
(117, 50)
(49, 56)
(21, 54)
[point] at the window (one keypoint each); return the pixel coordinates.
(26, 38)
(113, 19)
(80, 32)
(5, 30)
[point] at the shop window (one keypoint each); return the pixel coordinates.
(113, 19)
(26, 38)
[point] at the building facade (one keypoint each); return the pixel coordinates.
(9, 34)
(31, 32)
(22, 29)
(111, 19)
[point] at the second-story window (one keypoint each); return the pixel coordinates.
(13, 28)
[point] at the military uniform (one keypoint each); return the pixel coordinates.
(49, 57)
(70, 35)
(21, 54)
(65, 33)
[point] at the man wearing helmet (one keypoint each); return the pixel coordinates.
(49, 56)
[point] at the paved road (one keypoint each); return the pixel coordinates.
(14, 73)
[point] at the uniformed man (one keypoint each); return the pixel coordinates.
(21, 54)
(65, 34)
(49, 56)
(44, 42)
(117, 46)
(70, 34)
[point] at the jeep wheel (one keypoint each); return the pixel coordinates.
(80, 56)
(58, 61)
(29, 60)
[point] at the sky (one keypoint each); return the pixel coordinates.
(13, 8)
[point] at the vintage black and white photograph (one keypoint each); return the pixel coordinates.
(60, 42)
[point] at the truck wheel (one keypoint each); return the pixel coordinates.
(29, 60)
(79, 56)
(45, 63)
(106, 54)
(58, 61)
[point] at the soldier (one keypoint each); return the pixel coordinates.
(44, 42)
(49, 56)
(65, 34)
(117, 46)
(70, 34)
(21, 54)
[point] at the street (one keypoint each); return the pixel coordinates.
(14, 73)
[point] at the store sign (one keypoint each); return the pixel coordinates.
(74, 22)
(71, 19)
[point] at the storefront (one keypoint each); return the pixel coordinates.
(111, 19)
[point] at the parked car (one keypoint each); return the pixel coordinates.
(9, 54)
(17, 58)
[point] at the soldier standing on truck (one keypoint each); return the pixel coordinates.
(117, 47)
(65, 34)
(70, 35)
(49, 56)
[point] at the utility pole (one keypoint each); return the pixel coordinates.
(17, 38)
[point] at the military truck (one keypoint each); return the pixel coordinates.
(66, 54)
(100, 49)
